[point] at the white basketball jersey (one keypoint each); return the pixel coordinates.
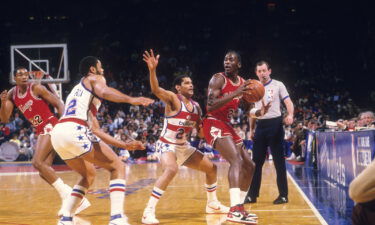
(176, 128)
(79, 102)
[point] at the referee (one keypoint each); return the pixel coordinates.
(269, 132)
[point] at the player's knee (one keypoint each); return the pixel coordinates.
(90, 177)
(37, 163)
(249, 164)
(238, 164)
(210, 170)
(214, 168)
(120, 166)
(171, 170)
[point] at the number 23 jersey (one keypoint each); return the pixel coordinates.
(177, 127)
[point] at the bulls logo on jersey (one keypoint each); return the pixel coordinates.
(26, 106)
(215, 132)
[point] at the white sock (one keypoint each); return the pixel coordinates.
(117, 196)
(211, 192)
(235, 198)
(155, 196)
(61, 188)
(243, 196)
(74, 199)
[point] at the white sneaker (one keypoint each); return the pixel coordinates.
(84, 204)
(149, 216)
(65, 221)
(119, 219)
(80, 221)
(216, 207)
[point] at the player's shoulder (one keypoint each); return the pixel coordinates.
(219, 75)
(36, 88)
(11, 93)
(12, 90)
(218, 78)
(94, 78)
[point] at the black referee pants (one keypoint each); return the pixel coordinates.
(269, 132)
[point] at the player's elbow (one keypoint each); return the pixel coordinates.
(155, 90)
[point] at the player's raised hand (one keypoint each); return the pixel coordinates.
(4, 95)
(141, 101)
(151, 60)
(134, 145)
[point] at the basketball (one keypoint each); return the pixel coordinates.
(255, 93)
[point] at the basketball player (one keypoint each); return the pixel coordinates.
(182, 114)
(224, 94)
(32, 100)
(269, 131)
(76, 138)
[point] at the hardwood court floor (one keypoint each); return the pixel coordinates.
(26, 199)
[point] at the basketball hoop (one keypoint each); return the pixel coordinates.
(38, 75)
(47, 63)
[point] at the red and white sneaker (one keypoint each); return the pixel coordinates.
(237, 214)
(215, 207)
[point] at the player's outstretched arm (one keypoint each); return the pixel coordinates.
(49, 97)
(101, 89)
(214, 90)
(152, 63)
(133, 145)
(6, 106)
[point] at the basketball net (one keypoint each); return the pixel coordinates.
(38, 76)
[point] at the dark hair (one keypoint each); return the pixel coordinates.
(235, 53)
(86, 63)
(18, 68)
(178, 81)
(261, 62)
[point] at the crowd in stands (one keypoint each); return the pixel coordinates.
(303, 55)
(314, 111)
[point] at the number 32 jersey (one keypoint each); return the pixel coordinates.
(177, 127)
(35, 109)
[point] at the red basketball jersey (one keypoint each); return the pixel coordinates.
(34, 109)
(225, 112)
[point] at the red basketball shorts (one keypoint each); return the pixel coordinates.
(214, 128)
